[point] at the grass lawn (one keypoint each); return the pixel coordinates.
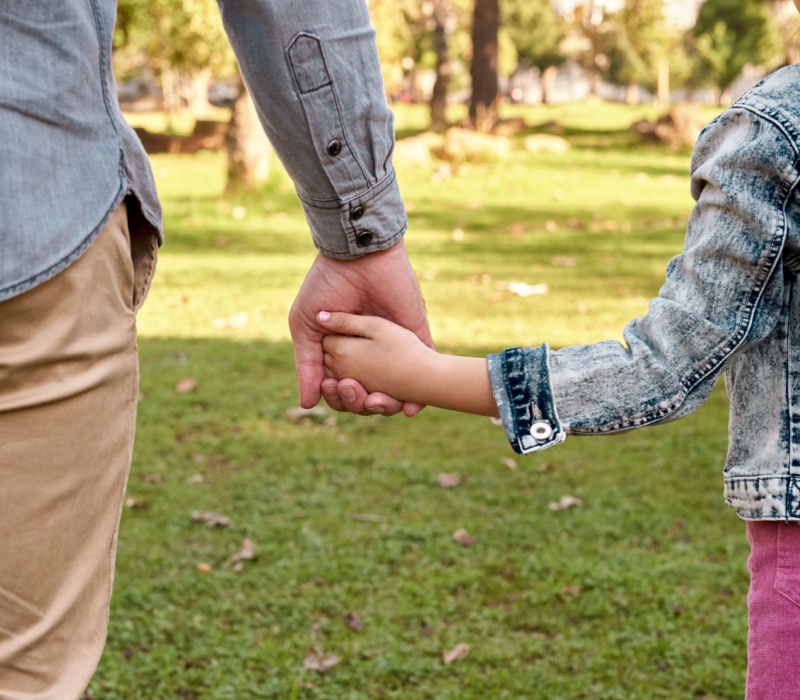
(637, 594)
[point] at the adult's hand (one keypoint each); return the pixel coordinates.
(378, 284)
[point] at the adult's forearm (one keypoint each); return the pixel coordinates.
(312, 68)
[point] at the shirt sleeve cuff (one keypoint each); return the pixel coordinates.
(522, 389)
(373, 220)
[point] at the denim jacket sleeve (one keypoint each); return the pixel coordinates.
(313, 71)
(722, 295)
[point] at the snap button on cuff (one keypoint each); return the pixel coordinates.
(364, 238)
(356, 213)
(334, 148)
(541, 431)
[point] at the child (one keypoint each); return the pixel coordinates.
(731, 302)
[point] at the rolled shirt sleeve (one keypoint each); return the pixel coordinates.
(312, 68)
(722, 295)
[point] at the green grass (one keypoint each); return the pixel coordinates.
(638, 594)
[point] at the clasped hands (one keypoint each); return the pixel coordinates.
(379, 284)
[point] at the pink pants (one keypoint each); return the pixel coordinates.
(773, 603)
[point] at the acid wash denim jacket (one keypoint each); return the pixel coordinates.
(731, 303)
(68, 159)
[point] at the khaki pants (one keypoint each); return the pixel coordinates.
(68, 392)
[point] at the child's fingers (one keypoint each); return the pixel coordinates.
(347, 324)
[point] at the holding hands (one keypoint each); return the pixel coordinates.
(389, 359)
(381, 283)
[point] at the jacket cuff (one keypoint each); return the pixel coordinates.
(373, 220)
(521, 385)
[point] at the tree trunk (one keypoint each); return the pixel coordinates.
(249, 151)
(547, 80)
(438, 103)
(483, 103)
(662, 88)
(197, 97)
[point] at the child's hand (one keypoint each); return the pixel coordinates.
(381, 355)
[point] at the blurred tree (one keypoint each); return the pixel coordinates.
(633, 48)
(483, 70)
(186, 43)
(536, 32)
(730, 34)
(441, 49)
(182, 39)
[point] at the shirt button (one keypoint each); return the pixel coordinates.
(356, 213)
(541, 431)
(364, 238)
(334, 148)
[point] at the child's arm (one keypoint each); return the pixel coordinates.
(388, 358)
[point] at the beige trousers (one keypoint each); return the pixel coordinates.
(68, 393)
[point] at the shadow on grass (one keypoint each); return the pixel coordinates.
(347, 517)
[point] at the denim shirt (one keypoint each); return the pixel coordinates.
(730, 303)
(67, 157)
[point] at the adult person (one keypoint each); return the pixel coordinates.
(80, 223)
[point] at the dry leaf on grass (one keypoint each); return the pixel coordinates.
(510, 463)
(353, 621)
(462, 537)
(298, 413)
(196, 479)
(458, 652)
(449, 480)
(317, 661)
(247, 553)
(239, 320)
(524, 289)
(136, 503)
(368, 518)
(565, 502)
(185, 385)
(211, 519)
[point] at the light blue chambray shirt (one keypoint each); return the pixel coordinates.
(730, 303)
(67, 157)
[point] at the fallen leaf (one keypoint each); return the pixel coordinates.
(550, 226)
(239, 320)
(462, 537)
(524, 289)
(368, 518)
(317, 661)
(184, 386)
(570, 591)
(196, 479)
(561, 261)
(458, 652)
(510, 463)
(565, 502)
(449, 480)
(297, 413)
(202, 567)
(353, 621)
(211, 519)
(247, 553)
(136, 503)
